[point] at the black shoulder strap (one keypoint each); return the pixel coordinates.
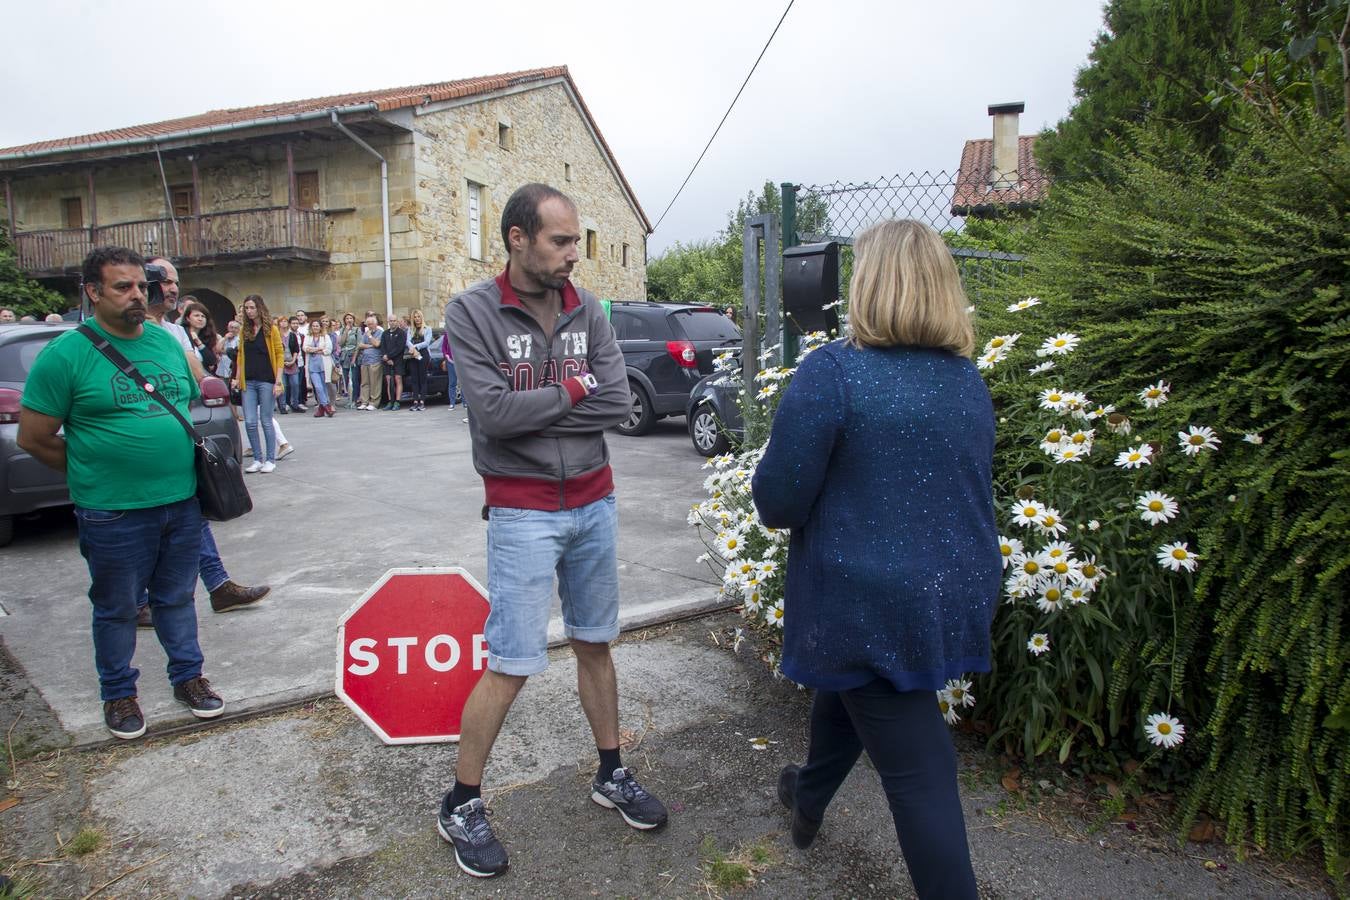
(124, 365)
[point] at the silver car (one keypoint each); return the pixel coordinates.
(27, 485)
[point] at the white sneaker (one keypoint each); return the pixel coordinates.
(284, 451)
(268, 467)
(254, 466)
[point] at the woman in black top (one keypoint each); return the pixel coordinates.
(202, 332)
(392, 344)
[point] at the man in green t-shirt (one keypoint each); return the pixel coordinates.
(136, 534)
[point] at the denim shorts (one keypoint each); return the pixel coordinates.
(526, 548)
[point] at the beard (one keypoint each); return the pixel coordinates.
(547, 279)
(134, 314)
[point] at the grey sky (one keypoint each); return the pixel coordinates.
(850, 89)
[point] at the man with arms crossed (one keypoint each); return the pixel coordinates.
(542, 377)
(137, 534)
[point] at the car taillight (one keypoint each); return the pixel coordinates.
(683, 353)
(9, 406)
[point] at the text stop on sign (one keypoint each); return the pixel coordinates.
(410, 651)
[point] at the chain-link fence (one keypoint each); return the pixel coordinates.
(948, 202)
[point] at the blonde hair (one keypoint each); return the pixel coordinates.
(906, 290)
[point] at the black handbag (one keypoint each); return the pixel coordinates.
(220, 482)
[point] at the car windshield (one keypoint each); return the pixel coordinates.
(16, 357)
(707, 325)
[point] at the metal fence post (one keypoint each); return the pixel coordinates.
(750, 294)
(789, 240)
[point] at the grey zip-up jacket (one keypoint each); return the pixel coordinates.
(538, 436)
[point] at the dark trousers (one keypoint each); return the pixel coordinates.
(911, 748)
(415, 374)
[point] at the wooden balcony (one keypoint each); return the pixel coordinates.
(238, 237)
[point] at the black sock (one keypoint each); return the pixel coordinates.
(462, 793)
(609, 761)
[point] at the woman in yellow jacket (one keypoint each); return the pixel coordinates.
(258, 376)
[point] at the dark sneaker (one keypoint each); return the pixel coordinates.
(123, 718)
(477, 850)
(235, 596)
(197, 694)
(803, 829)
(622, 792)
(143, 619)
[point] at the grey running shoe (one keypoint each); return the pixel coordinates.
(622, 792)
(477, 850)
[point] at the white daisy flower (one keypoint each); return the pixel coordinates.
(1039, 643)
(1052, 598)
(1028, 303)
(1058, 345)
(1050, 524)
(1097, 412)
(1082, 439)
(1155, 395)
(753, 602)
(1008, 547)
(1196, 438)
(1026, 565)
(948, 709)
(1055, 399)
(1135, 457)
(1155, 508)
(767, 391)
(1053, 438)
(1068, 454)
(1164, 731)
(1020, 585)
(1088, 573)
(1077, 593)
(1177, 556)
(1058, 551)
(1093, 524)
(1252, 437)
(1117, 423)
(776, 614)
(958, 692)
(1002, 342)
(1041, 368)
(1026, 512)
(767, 567)
(730, 544)
(991, 358)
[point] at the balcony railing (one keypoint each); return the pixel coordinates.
(276, 232)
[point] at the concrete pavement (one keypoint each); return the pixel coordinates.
(363, 493)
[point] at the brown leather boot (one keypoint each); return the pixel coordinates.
(230, 596)
(318, 411)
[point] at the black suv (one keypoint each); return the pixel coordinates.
(667, 348)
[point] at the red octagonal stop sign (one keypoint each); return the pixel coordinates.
(410, 651)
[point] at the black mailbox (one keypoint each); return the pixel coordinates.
(810, 283)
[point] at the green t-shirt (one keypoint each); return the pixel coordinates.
(124, 450)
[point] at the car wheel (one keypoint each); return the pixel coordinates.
(641, 418)
(706, 432)
(6, 530)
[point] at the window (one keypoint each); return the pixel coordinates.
(504, 138)
(307, 190)
(72, 212)
(183, 200)
(625, 256)
(567, 171)
(475, 221)
(590, 244)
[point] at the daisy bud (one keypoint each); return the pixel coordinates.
(1156, 447)
(1026, 492)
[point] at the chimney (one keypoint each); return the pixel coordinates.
(1003, 172)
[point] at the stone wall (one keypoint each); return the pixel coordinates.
(548, 141)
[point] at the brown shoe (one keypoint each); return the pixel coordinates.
(231, 596)
(143, 619)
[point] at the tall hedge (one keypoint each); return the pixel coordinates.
(1230, 286)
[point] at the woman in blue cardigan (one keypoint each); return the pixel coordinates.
(880, 461)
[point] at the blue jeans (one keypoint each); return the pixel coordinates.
(452, 381)
(292, 397)
(130, 551)
(258, 405)
(526, 548)
(209, 565)
(316, 381)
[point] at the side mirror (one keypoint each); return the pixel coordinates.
(214, 391)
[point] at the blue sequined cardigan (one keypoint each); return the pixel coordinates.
(880, 461)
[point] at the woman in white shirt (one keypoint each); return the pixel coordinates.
(318, 351)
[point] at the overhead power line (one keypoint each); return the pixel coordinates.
(724, 116)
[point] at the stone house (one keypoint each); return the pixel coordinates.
(383, 200)
(999, 174)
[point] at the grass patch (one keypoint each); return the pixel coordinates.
(738, 867)
(85, 842)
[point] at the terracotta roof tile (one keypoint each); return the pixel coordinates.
(973, 192)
